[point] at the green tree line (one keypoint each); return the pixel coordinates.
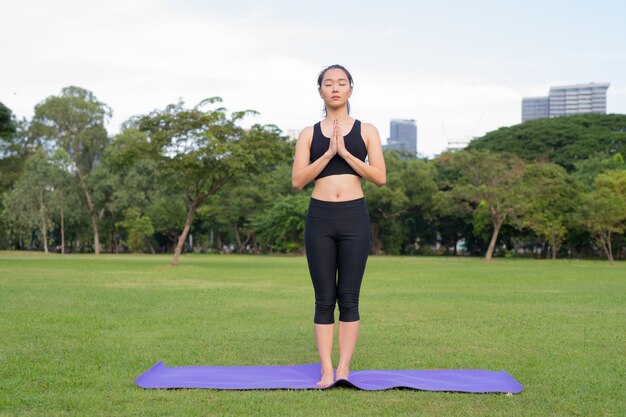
(193, 179)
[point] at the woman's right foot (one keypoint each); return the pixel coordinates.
(328, 377)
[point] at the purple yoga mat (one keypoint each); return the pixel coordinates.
(305, 377)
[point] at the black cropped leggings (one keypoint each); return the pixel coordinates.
(337, 240)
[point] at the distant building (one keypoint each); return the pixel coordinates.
(458, 144)
(292, 134)
(402, 135)
(567, 100)
(579, 98)
(535, 108)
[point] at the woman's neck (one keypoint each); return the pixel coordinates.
(339, 114)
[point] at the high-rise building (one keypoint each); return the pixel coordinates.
(567, 100)
(578, 98)
(535, 108)
(402, 135)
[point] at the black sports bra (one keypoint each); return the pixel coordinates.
(337, 165)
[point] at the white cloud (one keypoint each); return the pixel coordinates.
(140, 55)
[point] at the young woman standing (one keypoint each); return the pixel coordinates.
(337, 233)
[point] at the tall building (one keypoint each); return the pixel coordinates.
(578, 98)
(535, 108)
(567, 100)
(402, 135)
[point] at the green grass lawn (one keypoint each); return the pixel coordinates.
(76, 330)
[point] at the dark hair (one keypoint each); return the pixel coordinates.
(320, 78)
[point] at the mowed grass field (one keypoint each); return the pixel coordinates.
(76, 330)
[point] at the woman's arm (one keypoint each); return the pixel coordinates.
(375, 171)
(304, 172)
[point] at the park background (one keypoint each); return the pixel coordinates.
(85, 166)
(118, 158)
(192, 179)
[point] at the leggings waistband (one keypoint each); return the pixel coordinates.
(350, 208)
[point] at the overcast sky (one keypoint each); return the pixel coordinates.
(459, 68)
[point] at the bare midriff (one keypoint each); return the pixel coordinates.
(343, 187)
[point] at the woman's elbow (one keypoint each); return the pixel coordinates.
(381, 181)
(296, 184)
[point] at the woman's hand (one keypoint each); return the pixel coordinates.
(332, 143)
(341, 145)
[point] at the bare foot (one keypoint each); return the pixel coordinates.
(328, 378)
(342, 373)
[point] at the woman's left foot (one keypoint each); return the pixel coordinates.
(342, 374)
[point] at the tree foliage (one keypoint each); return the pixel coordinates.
(566, 140)
(27, 205)
(553, 198)
(198, 151)
(493, 182)
(192, 179)
(281, 227)
(603, 210)
(74, 122)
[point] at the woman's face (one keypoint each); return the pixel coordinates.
(335, 89)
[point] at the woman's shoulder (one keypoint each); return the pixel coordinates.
(307, 131)
(368, 126)
(306, 134)
(368, 129)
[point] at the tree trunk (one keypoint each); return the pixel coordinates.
(237, 238)
(605, 241)
(242, 247)
(255, 244)
(497, 224)
(96, 235)
(94, 217)
(62, 229)
(44, 230)
(609, 247)
(183, 235)
(116, 245)
(377, 245)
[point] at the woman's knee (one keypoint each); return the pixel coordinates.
(324, 313)
(348, 306)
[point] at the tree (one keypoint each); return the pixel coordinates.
(493, 181)
(65, 197)
(386, 205)
(603, 210)
(74, 122)
(199, 151)
(587, 170)
(401, 211)
(7, 124)
(14, 148)
(563, 140)
(232, 212)
(281, 227)
(26, 206)
(128, 185)
(553, 197)
(139, 229)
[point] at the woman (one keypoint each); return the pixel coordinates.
(337, 233)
